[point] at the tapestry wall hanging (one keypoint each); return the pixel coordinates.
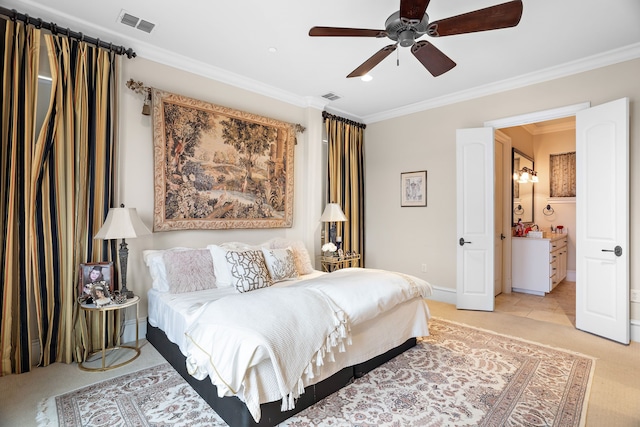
(219, 168)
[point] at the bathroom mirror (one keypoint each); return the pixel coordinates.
(521, 192)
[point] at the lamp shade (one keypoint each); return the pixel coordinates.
(122, 223)
(332, 213)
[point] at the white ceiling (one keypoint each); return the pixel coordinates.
(229, 41)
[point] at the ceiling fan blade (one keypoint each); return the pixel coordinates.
(432, 58)
(345, 32)
(412, 11)
(504, 15)
(373, 61)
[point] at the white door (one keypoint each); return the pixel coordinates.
(602, 220)
(475, 218)
(499, 220)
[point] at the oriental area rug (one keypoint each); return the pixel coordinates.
(458, 376)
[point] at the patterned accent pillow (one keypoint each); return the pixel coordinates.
(248, 270)
(280, 263)
(189, 271)
(300, 253)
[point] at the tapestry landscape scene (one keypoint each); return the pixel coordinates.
(221, 168)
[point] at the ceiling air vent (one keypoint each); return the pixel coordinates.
(129, 20)
(133, 21)
(145, 26)
(331, 96)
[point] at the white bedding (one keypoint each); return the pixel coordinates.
(173, 313)
(371, 336)
(232, 338)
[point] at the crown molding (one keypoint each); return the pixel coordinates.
(615, 56)
(162, 56)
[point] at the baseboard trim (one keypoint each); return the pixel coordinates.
(129, 333)
(634, 330)
(446, 295)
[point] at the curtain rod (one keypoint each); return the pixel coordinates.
(14, 15)
(326, 115)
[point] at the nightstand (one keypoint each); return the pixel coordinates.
(101, 313)
(333, 263)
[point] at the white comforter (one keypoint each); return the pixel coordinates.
(293, 328)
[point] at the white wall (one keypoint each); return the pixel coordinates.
(402, 239)
(135, 164)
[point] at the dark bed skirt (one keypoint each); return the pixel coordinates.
(235, 413)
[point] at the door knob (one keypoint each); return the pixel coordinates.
(462, 242)
(502, 236)
(617, 250)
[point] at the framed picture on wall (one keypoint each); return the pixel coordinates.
(413, 188)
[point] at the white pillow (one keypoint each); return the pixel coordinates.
(248, 270)
(157, 269)
(220, 268)
(238, 246)
(280, 263)
(300, 253)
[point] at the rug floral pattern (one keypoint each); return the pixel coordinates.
(458, 376)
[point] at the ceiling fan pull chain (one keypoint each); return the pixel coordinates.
(397, 56)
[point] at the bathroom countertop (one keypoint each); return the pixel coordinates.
(545, 236)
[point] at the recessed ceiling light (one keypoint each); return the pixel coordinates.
(272, 50)
(366, 78)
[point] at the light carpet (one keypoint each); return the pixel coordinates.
(458, 376)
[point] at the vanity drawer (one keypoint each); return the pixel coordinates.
(557, 244)
(553, 267)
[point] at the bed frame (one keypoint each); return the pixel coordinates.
(235, 413)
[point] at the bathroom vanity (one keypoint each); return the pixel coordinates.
(538, 264)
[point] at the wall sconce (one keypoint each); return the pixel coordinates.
(525, 175)
(547, 210)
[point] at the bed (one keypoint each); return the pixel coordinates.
(233, 344)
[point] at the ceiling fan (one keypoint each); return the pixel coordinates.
(412, 22)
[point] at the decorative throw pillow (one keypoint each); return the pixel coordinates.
(280, 263)
(154, 258)
(300, 253)
(248, 270)
(189, 271)
(220, 265)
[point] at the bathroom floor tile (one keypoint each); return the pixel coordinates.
(558, 306)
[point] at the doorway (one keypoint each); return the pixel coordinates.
(538, 142)
(602, 216)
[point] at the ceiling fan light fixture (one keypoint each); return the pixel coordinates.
(366, 78)
(406, 37)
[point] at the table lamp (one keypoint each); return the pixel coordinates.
(122, 223)
(332, 214)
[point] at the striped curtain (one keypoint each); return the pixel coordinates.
(345, 179)
(59, 186)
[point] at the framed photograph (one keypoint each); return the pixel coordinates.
(96, 276)
(413, 188)
(219, 168)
